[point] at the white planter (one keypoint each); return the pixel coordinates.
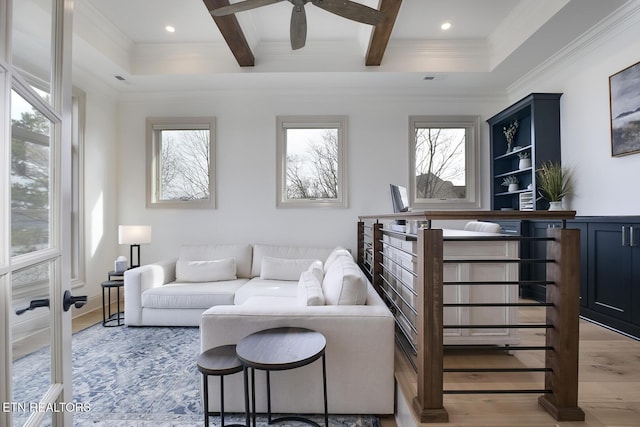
(555, 206)
(524, 163)
(512, 187)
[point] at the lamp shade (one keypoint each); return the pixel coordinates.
(134, 234)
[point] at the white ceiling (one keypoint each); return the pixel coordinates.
(491, 44)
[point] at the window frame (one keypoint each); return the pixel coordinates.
(283, 123)
(472, 171)
(154, 124)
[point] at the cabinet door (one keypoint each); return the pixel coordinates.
(609, 279)
(635, 275)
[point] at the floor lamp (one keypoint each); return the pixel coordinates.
(134, 235)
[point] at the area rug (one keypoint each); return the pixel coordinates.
(136, 377)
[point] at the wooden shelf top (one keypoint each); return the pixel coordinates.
(476, 214)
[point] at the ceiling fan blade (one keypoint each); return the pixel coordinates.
(298, 30)
(241, 6)
(351, 10)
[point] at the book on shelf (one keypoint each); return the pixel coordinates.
(526, 201)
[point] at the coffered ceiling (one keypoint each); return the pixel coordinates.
(491, 43)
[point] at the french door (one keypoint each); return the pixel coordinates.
(35, 212)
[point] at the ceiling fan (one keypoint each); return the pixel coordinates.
(298, 30)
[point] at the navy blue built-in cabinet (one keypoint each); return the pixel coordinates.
(609, 267)
(537, 136)
(613, 277)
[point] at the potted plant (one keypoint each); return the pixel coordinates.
(554, 183)
(525, 159)
(511, 182)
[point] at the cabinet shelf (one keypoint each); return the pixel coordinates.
(513, 152)
(514, 172)
(538, 116)
(511, 193)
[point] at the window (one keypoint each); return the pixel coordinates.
(30, 177)
(443, 162)
(77, 187)
(180, 162)
(311, 161)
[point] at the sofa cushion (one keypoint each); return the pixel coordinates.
(344, 283)
(206, 270)
(257, 287)
(192, 295)
(310, 289)
(285, 269)
(338, 251)
(241, 253)
(288, 252)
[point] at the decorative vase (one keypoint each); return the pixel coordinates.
(524, 164)
(509, 146)
(555, 206)
(512, 188)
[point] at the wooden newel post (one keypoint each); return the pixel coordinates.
(562, 402)
(376, 247)
(360, 247)
(428, 404)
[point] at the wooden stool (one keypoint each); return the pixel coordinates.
(218, 361)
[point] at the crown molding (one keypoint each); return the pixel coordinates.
(97, 31)
(620, 21)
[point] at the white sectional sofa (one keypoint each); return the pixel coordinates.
(274, 286)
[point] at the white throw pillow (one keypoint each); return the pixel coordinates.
(335, 254)
(309, 289)
(206, 270)
(283, 268)
(344, 283)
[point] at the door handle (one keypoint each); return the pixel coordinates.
(624, 240)
(631, 237)
(68, 300)
(33, 305)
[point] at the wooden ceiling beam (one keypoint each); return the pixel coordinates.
(232, 33)
(382, 32)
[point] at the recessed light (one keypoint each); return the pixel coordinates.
(445, 26)
(170, 29)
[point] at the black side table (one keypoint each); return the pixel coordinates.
(218, 361)
(110, 319)
(280, 349)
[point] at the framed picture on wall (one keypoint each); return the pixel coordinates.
(624, 98)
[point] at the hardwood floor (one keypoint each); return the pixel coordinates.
(609, 382)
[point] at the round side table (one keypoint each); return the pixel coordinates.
(218, 361)
(280, 349)
(109, 318)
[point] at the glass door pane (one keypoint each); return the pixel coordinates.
(30, 178)
(32, 42)
(31, 339)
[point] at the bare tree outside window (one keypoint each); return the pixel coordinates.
(440, 163)
(180, 159)
(443, 162)
(312, 164)
(184, 165)
(311, 161)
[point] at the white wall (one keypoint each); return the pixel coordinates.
(605, 185)
(100, 184)
(246, 210)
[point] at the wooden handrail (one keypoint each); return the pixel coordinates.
(473, 214)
